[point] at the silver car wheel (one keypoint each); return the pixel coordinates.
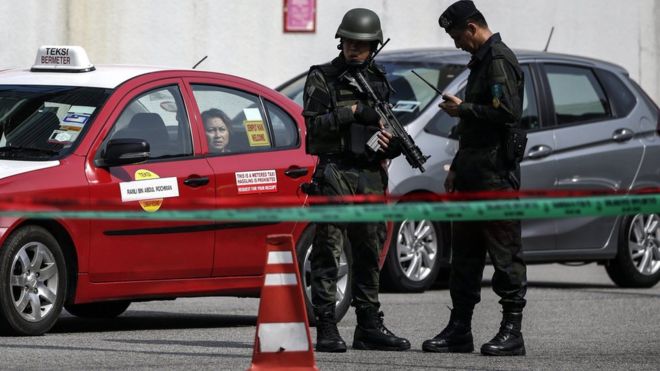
(33, 281)
(644, 243)
(342, 276)
(417, 248)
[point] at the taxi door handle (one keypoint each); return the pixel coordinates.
(196, 181)
(296, 172)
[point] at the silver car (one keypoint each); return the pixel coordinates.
(590, 127)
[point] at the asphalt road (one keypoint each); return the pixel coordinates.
(575, 319)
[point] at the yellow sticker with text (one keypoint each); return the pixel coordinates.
(148, 205)
(257, 134)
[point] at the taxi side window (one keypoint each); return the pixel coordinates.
(285, 129)
(159, 117)
(247, 128)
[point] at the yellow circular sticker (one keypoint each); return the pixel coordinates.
(148, 205)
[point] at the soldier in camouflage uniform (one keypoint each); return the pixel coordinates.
(339, 121)
(490, 112)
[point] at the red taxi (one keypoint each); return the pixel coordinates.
(139, 139)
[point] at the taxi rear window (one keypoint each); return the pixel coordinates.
(45, 122)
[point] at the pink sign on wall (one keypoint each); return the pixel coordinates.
(299, 15)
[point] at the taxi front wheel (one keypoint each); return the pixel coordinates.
(33, 280)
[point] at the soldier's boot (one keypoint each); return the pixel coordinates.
(371, 333)
(456, 337)
(509, 340)
(327, 334)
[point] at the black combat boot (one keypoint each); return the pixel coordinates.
(327, 334)
(509, 340)
(456, 337)
(371, 333)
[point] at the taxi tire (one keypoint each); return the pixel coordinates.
(305, 242)
(621, 269)
(11, 323)
(106, 310)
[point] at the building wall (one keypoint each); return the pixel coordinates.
(245, 37)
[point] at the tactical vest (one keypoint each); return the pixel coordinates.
(343, 94)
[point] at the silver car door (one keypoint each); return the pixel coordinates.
(594, 150)
(537, 168)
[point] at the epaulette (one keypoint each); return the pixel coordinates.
(500, 50)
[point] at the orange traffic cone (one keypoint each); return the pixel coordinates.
(282, 341)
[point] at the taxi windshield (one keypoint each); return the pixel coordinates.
(45, 122)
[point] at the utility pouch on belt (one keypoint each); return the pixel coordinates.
(515, 141)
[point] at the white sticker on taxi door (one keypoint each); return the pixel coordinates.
(259, 181)
(149, 189)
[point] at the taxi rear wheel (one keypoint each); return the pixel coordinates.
(343, 294)
(33, 281)
(110, 309)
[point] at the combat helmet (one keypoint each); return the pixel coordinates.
(360, 24)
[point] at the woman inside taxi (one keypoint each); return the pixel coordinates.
(218, 130)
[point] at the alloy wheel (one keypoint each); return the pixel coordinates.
(644, 243)
(417, 248)
(33, 281)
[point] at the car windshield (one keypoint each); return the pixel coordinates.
(411, 95)
(45, 122)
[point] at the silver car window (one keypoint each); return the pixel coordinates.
(577, 95)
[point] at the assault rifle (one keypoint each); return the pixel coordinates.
(410, 150)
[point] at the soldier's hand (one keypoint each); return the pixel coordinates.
(384, 137)
(450, 105)
(449, 181)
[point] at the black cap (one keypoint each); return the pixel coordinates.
(457, 13)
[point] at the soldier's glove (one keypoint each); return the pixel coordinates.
(366, 115)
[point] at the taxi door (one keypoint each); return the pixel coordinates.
(261, 159)
(172, 178)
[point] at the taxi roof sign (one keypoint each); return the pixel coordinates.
(62, 58)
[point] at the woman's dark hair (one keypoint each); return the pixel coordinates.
(216, 113)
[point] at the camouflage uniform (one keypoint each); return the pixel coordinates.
(345, 167)
(493, 103)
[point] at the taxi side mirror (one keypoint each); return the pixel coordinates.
(123, 151)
